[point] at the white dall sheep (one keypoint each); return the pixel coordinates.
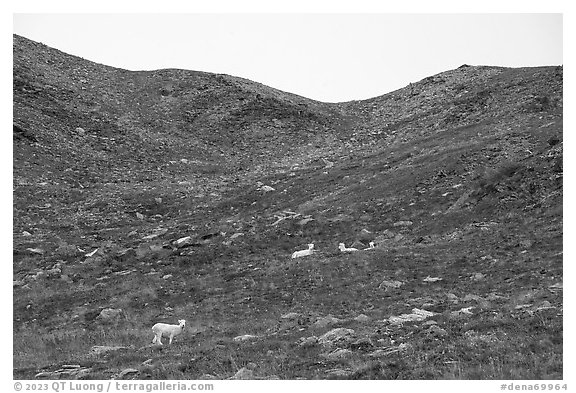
(371, 246)
(164, 329)
(303, 253)
(343, 248)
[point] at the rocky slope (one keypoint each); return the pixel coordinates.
(172, 193)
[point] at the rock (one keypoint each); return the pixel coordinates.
(98, 350)
(436, 330)
(110, 315)
(386, 235)
(80, 131)
(236, 235)
(36, 251)
(183, 241)
(92, 253)
(291, 315)
(140, 216)
(305, 221)
(148, 362)
(243, 373)
(126, 254)
(453, 298)
(167, 276)
(432, 279)
(362, 318)
(402, 224)
(336, 336)
(365, 235)
(337, 354)
(26, 233)
(338, 373)
(127, 371)
(390, 284)
(245, 337)
(362, 343)
(158, 200)
(307, 341)
(416, 316)
(267, 188)
(325, 322)
(462, 312)
(379, 353)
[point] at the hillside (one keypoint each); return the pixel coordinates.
(172, 194)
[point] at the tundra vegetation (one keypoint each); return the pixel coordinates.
(139, 198)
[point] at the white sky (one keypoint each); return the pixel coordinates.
(328, 57)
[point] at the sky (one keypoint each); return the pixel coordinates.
(330, 57)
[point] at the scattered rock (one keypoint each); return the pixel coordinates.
(365, 235)
(307, 341)
(65, 372)
(416, 316)
(291, 315)
(462, 312)
(453, 298)
(110, 315)
(98, 350)
(386, 235)
(245, 337)
(379, 353)
(183, 241)
(436, 330)
(432, 279)
(336, 336)
(390, 284)
(148, 362)
(127, 371)
(338, 354)
(362, 318)
(402, 224)
(338, 373)
(362, 343)
(326, 321)
(243, 373)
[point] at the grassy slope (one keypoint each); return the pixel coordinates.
(466, 156)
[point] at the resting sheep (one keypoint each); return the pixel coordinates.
(371, 246)
(164, 329)
(343, 248)
(303, 253)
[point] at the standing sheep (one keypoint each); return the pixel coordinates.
(164, 329)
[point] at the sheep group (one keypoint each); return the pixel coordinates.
(164, 329)
(341, 247)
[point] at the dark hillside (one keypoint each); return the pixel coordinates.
(152, 196)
